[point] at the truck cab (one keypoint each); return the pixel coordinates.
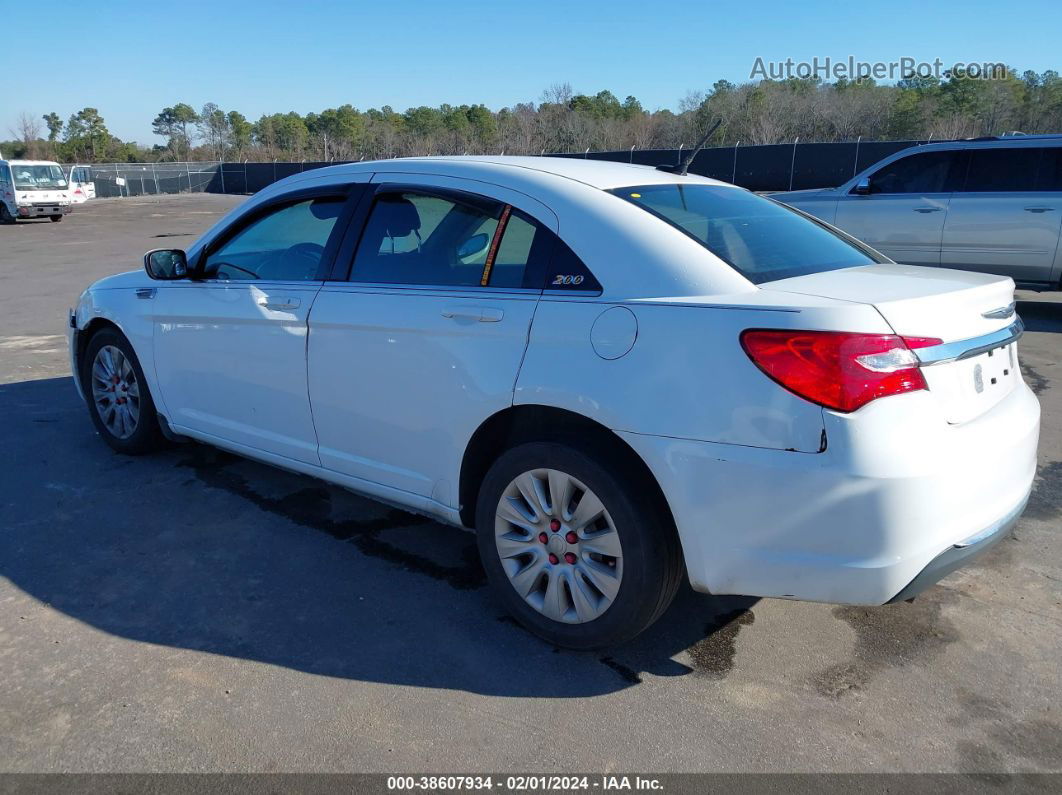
(81, 187)
(33, 189)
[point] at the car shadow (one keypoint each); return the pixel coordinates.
(1041, 315)
(198, 549)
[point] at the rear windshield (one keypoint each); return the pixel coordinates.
(759, 238)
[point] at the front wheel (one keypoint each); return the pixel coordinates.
(119, 402)
(55, 218)
(578, 553)
(5, 215)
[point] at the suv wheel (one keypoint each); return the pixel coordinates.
(117, 394)
(577, 552)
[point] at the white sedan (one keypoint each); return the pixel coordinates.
(619, 376)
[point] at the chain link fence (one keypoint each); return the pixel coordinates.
(770, 167)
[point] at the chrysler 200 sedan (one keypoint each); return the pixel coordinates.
(618, 376)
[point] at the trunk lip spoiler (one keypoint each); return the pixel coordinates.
(968, 348)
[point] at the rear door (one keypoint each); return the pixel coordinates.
(425, 338)
(230, 346)
(903, 215)
(1006, 217)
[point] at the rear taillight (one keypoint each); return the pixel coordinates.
(837, 369)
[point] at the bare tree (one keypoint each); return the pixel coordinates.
(28, 130)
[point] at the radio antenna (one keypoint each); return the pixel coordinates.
(681, 167)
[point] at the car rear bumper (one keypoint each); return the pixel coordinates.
(880, 510)
(958, 555)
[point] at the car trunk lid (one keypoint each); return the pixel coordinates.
(972, 313)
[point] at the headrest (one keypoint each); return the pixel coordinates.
(400, 216)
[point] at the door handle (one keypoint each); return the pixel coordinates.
(482, 314)
(1039, 209)
(928, 209)
(281, 304)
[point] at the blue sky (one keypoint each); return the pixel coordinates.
(130, 59)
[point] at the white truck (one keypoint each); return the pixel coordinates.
(33, 189)
(82, 187)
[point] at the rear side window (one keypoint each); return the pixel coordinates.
(1014, 169)
(568, 273)
(761, 239)
(925, 172)
(1050, 174)
(440, 240)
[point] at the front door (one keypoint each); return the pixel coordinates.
(230, 347)
(426, 339)
(903, 214)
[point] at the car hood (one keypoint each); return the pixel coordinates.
(127, 280)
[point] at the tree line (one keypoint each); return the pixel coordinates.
(763, 112)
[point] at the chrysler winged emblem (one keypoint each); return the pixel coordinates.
(1002, 313)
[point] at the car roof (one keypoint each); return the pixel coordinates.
(601, 174)
(1004, 142)
(30, 162)
(643, 255)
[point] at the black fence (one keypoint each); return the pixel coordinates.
(771, 167)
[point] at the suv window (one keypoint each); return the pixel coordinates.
(286, 244)
(925, 172)
(1050, 174)
(1012, 169)
(420, 238)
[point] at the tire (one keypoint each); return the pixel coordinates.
(140, 435)
(644, 576)
(5, 215)
(55, 218)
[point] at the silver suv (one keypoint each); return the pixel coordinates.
(988, 204)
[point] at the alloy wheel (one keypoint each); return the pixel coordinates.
(558, 546)
(115, 392)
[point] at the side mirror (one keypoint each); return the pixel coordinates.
(476, 244)
(166, 264)
(862, 187)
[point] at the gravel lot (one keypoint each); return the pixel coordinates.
(193, 611)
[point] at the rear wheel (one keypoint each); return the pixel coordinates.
(117, 395)
(577, 552)
(55, 218)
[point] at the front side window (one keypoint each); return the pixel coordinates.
(286, 244)
(38, 177)
(998, 169)
(761, 239)
(425, 239)
(926, 172)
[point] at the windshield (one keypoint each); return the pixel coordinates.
(759, 238)
(37, 177)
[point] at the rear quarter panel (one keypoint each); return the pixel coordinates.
(686, 375)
